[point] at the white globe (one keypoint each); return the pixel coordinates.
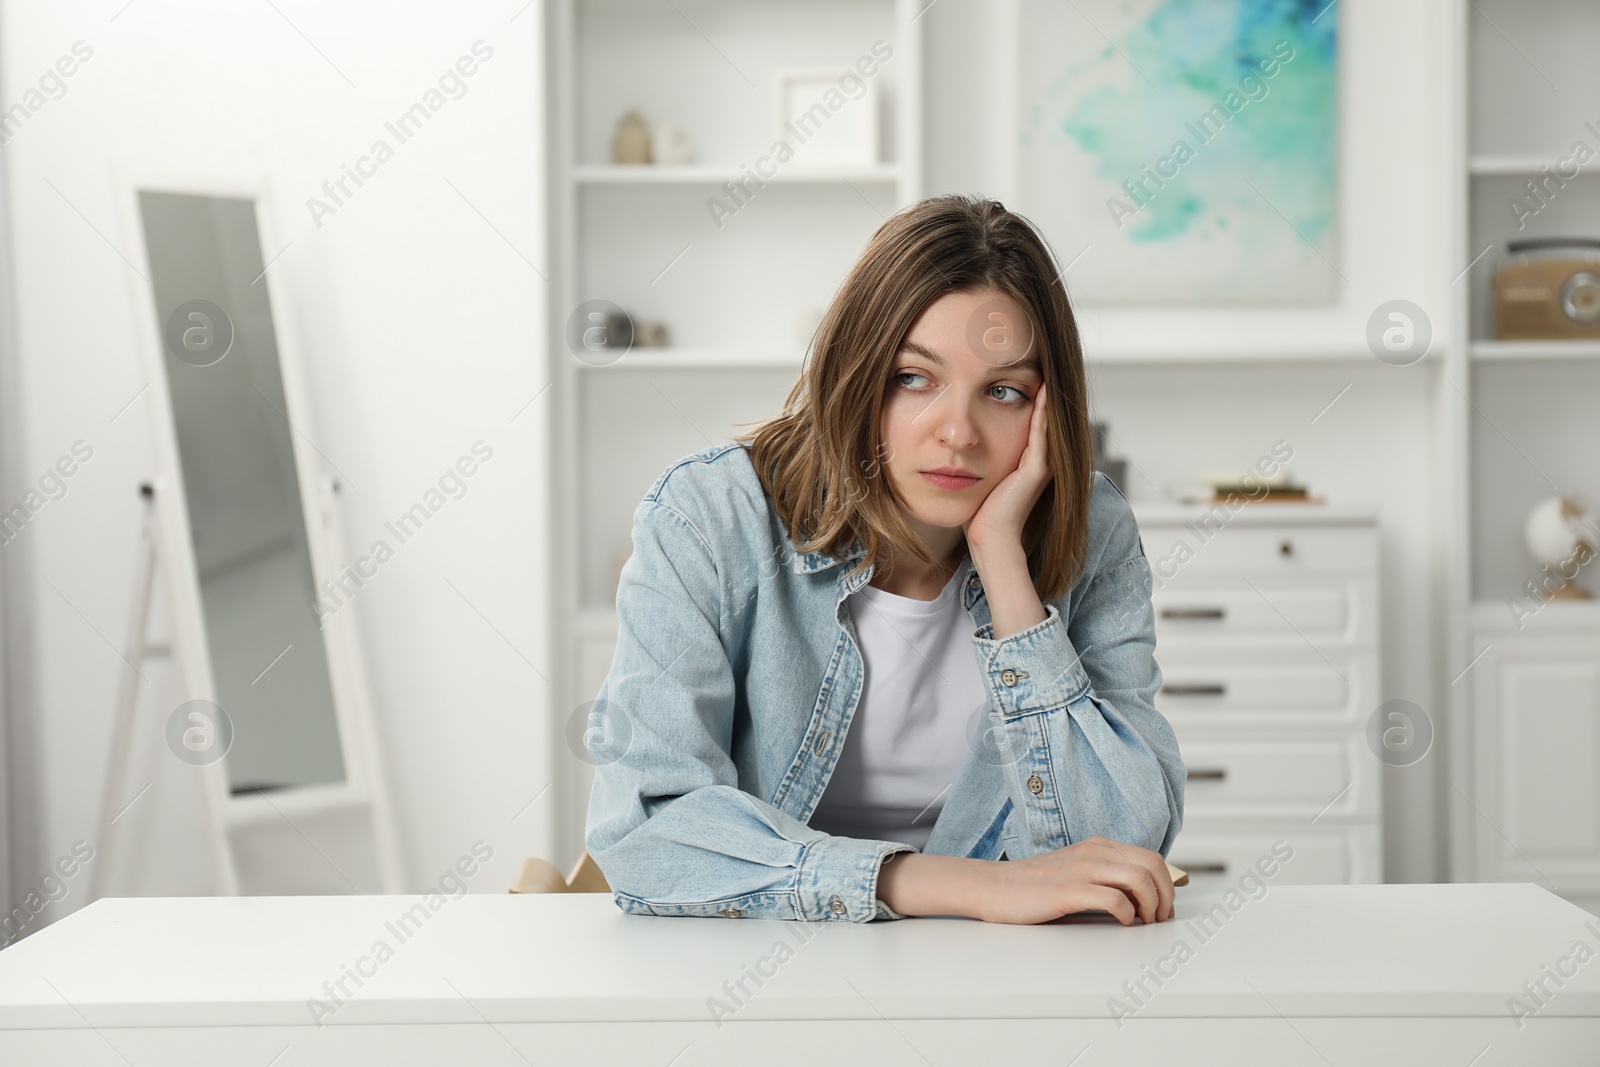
(1554, 528)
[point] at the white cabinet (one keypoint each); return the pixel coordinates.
(1536, 747)
(1268, 641)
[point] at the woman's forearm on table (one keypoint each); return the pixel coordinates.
(914, 883)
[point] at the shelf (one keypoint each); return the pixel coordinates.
(699, 358)
(1515, 350)
(1220, 348)
(716, 174)
(1496, 617)
(1096, 356)
(1256, 513)
(1529, 165)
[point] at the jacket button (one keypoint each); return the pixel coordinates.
(732, 913)
(1008, 676)
(1035, 785)
(838, 906)
(822, 741)
(972, 580)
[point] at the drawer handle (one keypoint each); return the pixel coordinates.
(1203, 689)
(1204, 868)
(1214, 774)
(1192, 613)
(1286, 548)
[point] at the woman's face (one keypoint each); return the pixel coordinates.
(959, 395)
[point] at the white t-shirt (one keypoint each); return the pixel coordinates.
(908, 739)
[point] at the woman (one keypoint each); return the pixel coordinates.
(775, 725)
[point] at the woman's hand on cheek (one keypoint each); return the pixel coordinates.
(999, 519)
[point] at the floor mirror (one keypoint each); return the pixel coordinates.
(242, 529)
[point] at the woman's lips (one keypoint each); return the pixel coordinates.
(949, 481)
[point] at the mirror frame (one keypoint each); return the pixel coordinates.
(364, 785)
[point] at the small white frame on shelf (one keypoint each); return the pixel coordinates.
(846, 134)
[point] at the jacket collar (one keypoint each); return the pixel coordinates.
(811, 562)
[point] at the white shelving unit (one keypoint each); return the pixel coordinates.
(740, 293)
(1524, 699)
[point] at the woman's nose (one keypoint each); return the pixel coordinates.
(956, 426)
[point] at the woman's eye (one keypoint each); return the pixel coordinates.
(1014, 401)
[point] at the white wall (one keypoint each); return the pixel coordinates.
(420, 321)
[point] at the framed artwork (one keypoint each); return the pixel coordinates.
(1182, 151)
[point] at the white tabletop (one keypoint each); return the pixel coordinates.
(1369, 950)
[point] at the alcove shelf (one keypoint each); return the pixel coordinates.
(1522, 678)
(740, 288)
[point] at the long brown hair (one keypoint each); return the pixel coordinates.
(819, 459)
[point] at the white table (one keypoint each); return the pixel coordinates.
(1348, 974)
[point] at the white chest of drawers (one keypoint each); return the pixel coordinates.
(1268, 644)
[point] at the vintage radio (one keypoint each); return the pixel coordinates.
(1548, 288)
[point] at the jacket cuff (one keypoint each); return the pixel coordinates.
(838, 880)
(1034, 670)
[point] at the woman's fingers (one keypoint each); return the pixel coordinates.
(1039, 441)
(1137, 882)
(1127, 881)
(1091, 897)
(1154, 867)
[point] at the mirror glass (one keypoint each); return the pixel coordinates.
(247, 520)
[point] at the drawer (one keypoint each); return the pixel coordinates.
(1249, 777)
(1267, 611)
(1290, 689)
(1216, 857)
(1197, 548)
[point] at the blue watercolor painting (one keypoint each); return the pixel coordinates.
(1187, 147)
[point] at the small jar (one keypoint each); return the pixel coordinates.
(632, 141)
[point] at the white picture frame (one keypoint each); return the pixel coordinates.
(823, 123)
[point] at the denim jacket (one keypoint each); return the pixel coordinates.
(736, 675)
